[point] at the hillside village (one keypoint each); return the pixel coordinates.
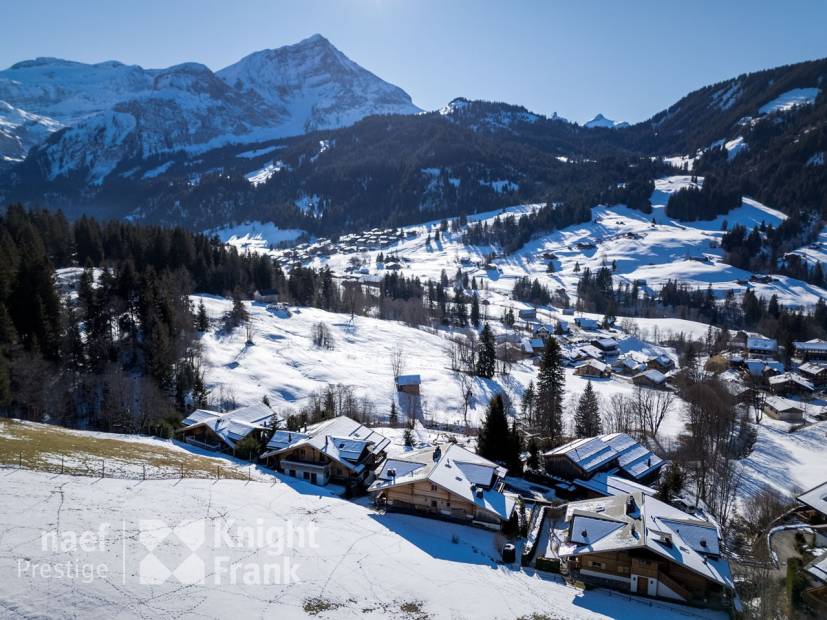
(610, 492)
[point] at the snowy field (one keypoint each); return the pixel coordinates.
(284, 365)
(333, 558)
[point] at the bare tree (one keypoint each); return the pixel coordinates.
(397, 359)
(322, 338)
(619, 415)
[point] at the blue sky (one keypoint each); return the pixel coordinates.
(625, 59)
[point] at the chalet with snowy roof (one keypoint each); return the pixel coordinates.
(815, 501)
(637, 544)
(783, 409)
(586, 323)
(815, 349)
(662, 363)
(607, 346)
(604, 484)
(761, 347)
(628, 365)
(408, 384)
(527, 314)
(615, 453)
(790, 383)
(592, 368)
(340, 450)
(651, 378)
(222, 431)
(815, 373)
(447, 482)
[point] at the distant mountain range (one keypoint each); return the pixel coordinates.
(306, 138)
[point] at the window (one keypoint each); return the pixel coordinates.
(623, 570)
(433, 503)
(433, 487)
(596, 564)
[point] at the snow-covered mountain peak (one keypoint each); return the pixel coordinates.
(602, 121)
(315, 85)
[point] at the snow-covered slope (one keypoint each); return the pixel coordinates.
(120, 112)
(602, 121)
(348, 561)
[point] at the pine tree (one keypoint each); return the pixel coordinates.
(475, 310)
(494, 440)
(394, 417)
(486, 360)
(528, 405)
(533, 461)
(515, 449)
(587, 416)
(550, 385)
(202, 321)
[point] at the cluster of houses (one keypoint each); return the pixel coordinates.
(786, 390)
(374, 239)
(605, 526)
(592, 352)
(616, 533)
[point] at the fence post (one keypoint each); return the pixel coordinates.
(217, 473)
(182, 471)
(250, 472)
(144, 472)
(103, 469)
(61, 464)
(19, 460)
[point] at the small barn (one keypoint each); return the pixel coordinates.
(408, 384)
(651, 378)
(592, 368)
(782, 409)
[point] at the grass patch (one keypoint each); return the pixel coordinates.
(42, 448)
(414, 610)
(318, 605)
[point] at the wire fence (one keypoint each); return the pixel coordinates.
(123, 470)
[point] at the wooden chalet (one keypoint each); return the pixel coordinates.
(446, 482)
(221, 432)
(637, 544)
(592, 368)
(340, 450)
(615, 453)
(783, 409)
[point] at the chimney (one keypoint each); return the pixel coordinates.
(437, 454)
(630, 505)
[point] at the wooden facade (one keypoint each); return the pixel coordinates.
(308, 463)
(642, 572)
(425, 497)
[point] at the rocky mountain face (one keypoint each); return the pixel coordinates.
(81, 122)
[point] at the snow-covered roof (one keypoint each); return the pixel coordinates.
(457, 470)
(815, 344)
(341, 439)
(818, 568)
(235, 425)
(655, 376)
(593, 364)
(200, 415)
(593, 453)
(811, 368)
(607, 484)
(791, 377)
(782, 404)
(615, 524)
(408, 380)
(761, 344)
(816, 498)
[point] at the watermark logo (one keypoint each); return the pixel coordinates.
(190, 537)
(195, 552)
